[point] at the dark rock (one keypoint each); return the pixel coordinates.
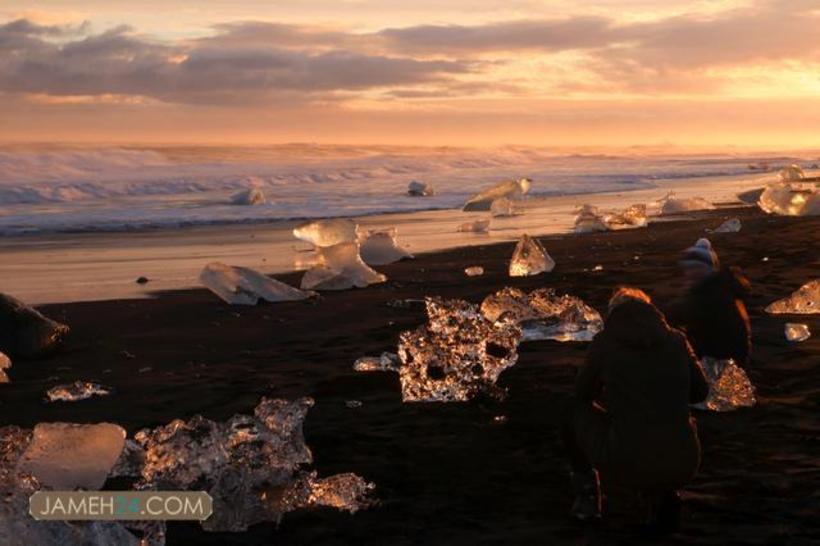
(143, 280)
(25, 333)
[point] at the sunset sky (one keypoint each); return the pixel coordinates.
(476, 72)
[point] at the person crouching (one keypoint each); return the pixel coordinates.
(630, 417)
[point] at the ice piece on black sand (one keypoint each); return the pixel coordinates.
(79, 390)
(325, 233)
(511, 189)
(244, 286)
(379, 247)
(803, 301)
(530, 258)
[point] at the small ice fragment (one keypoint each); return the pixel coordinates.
(340, 267)
(25, 333)
(325, 233)
(729, 386)
(676, 205)
(797, 332)
(729, 226)
(347, 492)
(501, 208)
(79, 390)
(765, 259)
(598, 267)
(500, 419)
(542, 314)
(474, 271)
(353, 404)
(458, 355)
(65, 456)
(244, 286)
(803, 301)
(589, 221)
(511, 189)
(419, 189)
(251, 196)
(478, 226)
(379, 247)
(530, 258)
(383, 363)
(5, 364)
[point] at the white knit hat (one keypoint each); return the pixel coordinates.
(701, 254)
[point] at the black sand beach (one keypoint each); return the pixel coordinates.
(453, 473)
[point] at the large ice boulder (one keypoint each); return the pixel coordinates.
(530, 258)
(340, 267)
(379, 247)
(244, 286)
(511, 189)
(791, 194)
(25, 332)
(325, 233)
(729, 386)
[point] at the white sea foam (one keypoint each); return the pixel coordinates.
(109, 189)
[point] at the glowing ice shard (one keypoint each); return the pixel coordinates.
(791, 195)
(458, 355)
(251, 196)
(26, 333)
(419, 189)
(803, 301)
(676, 205)
(474, 271)
(79, 390)
(530, 258)
(590, 220)
(542, 314)
(732, 225)
(797, 332)
(379, 247)
(244, 286)
(477, 226)
(250, 465)
(511, 189)
(384, 363)
(340, 267)
(729, 386)
(65, 456)
(502, 207)
(326, 233)
(5, 364)
(792, 173)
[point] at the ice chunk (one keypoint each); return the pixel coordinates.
(325, 233)
(419, 189)
(590, 220)
(477, 226)
(797, 332)
(251, 196)
(5, 364)
(379, 247)
(385, 362)
(25, 333)
(502, 207)
(511, 189)
(244, 286)
(474, 271)
(792, 173)
(732, 225)
(543, 314)
(789, 196)
(250, 465)
(457, 355)
(79, 390)
(803, 301)
(65, 456)
(530, 258)
(729, 386)
(676, 205)
(340, 267)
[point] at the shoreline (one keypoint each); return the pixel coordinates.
(64, 267)
(185, 352)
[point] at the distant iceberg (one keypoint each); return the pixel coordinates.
(511, 189)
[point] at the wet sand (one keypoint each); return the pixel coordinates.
(450, 473)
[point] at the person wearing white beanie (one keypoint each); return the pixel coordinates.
(712, 311)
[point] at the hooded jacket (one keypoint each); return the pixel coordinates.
(645, 375)
(714, 317)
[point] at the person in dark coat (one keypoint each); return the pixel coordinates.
(630, 417)
(712, 311)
